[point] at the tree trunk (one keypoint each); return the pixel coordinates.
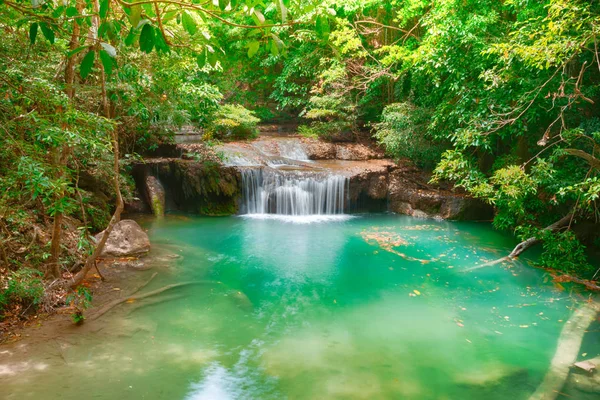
(54, 266)
(91, 260)
(566, 353)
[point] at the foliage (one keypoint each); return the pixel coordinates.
(23, 288)
(232, 121)
(403, 132)
(79, 301)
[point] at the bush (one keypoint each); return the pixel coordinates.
(22, 288)
(232, 121)
(403, 132)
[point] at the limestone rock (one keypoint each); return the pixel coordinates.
(127, 239)
(156, 195)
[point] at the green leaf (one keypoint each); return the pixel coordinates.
(169, 16)
(130, 38)
(147, 38)
(77, 50)
(274, 48)
(71, 12)
(188, 23)
(201, 60)
(33, 30)
(104, 6)
(107, 62)
(86, 64)
(159, 42)
(223, 4)
(283, 10)
(48, 33)
(253, 48)
(322, 26)
(258, 17)
(212, 58)
(149, 9)
(135, 15)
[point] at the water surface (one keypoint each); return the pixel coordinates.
(370, 307)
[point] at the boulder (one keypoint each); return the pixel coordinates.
(127, 239)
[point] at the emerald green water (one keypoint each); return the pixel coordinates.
(326, 310)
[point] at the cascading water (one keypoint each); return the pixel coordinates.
(292, 193)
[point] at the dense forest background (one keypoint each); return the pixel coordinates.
(498, 97)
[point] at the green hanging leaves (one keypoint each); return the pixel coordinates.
(253, 48)
(223, 4)
(107, 62)
(48, 33)
(33, 30)
(87, 64)
(147, 38)
(104, 7)
(188, 23)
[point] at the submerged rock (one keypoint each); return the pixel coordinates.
(127, 239)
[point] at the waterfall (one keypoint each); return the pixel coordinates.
(297, 193)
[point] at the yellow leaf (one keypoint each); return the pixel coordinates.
(416, 292)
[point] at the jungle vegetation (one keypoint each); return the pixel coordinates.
(499, 97)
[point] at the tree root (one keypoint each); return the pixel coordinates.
(132, 297)
(567, 349)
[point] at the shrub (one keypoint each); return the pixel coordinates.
(403, 132)
(232, 121)
(23, 288)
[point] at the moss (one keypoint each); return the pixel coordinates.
(157, 207)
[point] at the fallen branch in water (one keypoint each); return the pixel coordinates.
(526, 244)
(132, 297)
(569, 344)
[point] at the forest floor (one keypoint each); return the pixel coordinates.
(119, 279)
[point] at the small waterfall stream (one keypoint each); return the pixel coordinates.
(297, 193)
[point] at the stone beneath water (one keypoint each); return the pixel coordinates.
(585, 376)
(127, 239)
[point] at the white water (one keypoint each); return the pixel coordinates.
(292, 193)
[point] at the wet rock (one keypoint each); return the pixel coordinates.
(127, 239)
(585, 382)
(411, 195)
(356, 152)
(319, 150)
(156, 195)
(136, 206)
